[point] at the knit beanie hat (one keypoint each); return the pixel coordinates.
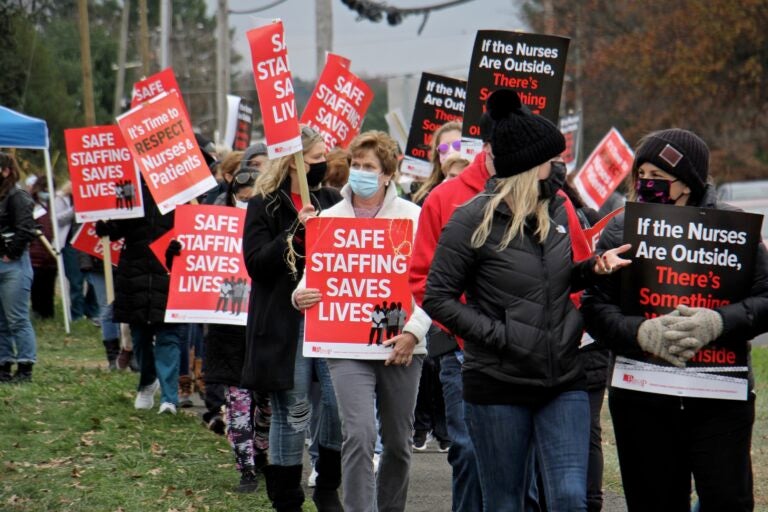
(253, 150)
(520, 140)
(680, 153)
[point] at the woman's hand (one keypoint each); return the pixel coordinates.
(306, 212)
(610, 261)
(305, 298)
(402, 349)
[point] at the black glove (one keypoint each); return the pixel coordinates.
(173, 250)
(102, 229)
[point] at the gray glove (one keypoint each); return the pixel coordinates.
(650, 337)
(692, 330)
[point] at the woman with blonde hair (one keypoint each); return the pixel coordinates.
(508, 252)
(275, 331)
(446, 141)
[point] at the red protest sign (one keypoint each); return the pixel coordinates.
(87, 241)
(163, 145)
(164, 81)
(160, 245)
(603, 171)
(274, 86)
(361, 268)
(338, 104)
(105, 181)
(332, 57)
(209, 281)
(593, 233)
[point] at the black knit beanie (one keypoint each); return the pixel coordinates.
(520, 140)
(680, 153)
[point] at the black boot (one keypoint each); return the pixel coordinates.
(23, 373)
(326, 494)
(112, 348)
(249, 482)
(5, 372)
(284, 487)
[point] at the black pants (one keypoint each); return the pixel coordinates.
(663, 440)
(430, 405)
(43, 284)
(595, 467)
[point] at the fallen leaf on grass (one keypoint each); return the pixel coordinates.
(75, 472)
(156, 449)
(168, 490)
(10, 466)
(155, 471)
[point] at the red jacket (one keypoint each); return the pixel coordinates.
(440, 205)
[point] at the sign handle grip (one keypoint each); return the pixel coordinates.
(108, 281)
(303, 186)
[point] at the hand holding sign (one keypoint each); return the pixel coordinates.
(305, 298)
(402, 349)
(692, 330)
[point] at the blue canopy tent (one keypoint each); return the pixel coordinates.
(24, 132)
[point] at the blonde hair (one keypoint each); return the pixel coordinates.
(230, 163)
(437, 176)
(276, 171)
(521, 193)
(382, 145)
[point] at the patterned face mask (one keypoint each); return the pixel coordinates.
(654, 191)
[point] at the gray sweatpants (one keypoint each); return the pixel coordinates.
(357, 383)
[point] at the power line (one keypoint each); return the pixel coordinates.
(257, 9)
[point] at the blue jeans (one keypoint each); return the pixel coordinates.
(80, 304)
(15, 327)
(557, 432)
(159, 360)
(467, 495)
(292, 411)
(109, 329)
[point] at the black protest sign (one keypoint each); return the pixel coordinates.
(532, 65)
(244, 125)
(698, 257)
(440, 100)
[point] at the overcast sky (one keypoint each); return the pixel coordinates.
(378, 49)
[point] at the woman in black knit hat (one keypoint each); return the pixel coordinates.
(508, 252)
(661, 439)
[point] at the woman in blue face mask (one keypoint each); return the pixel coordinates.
(370, 193)
(662, 440)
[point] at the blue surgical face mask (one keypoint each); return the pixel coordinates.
(363, 184)
(240, 204)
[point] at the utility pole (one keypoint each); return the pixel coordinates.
(85, 62)
(165, 33)
(144, 37)
(222, 69)
(549, 16)
(323, 31)
(121, 53)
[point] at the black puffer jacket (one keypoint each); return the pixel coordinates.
(141, 282)
(273, 324)
(224, 354)
(606, 322)
(521, 329)
(17, 226)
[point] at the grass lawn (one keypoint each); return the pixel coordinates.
(72, 441)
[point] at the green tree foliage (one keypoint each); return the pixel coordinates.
(643, 66)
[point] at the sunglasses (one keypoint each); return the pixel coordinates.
(245, 177)
(444, 147)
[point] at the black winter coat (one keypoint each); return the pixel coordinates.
(141, 282)
(224, 354)
(17, 226)
(606, 322)
(521, 329)
(273, 324)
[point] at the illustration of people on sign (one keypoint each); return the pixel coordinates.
(129, 192)
(392, 320)
(240, 290)
(402, 316)
(225, 291)
(378, 322)
(119, 194)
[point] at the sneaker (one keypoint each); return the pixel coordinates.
(216, 425)
(376, 460)
(420, 440)
(167, 407)
(248, 482)
(445, 445)
(312, 480)
(145, 398)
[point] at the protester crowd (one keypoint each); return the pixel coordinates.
(489, 364)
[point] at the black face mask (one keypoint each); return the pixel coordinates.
(316, 173)
(655, 191)
(548, 187)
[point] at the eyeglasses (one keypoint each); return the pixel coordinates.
(245, 177)
(444, 147)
